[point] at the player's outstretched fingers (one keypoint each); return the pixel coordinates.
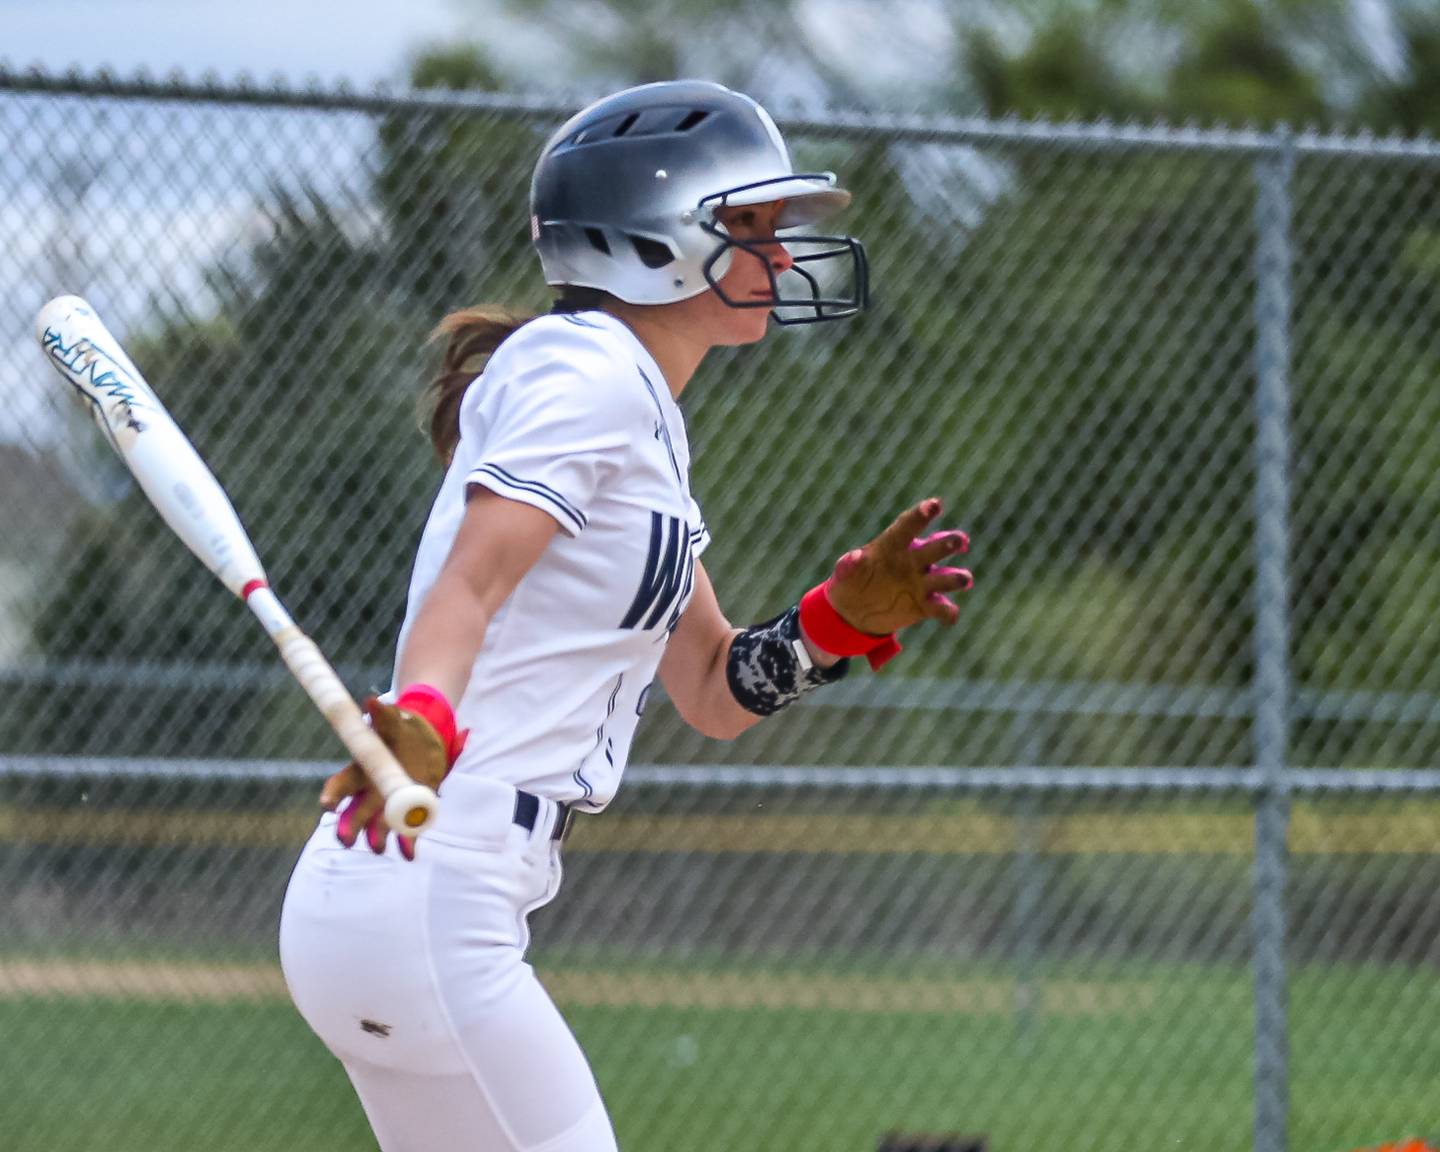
(937, 582)
(940, 607)
(910, 523)
(948, 580)
(932, 549)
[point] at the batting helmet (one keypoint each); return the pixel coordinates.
(625, 194)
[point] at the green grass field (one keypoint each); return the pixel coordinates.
(1173, 1072)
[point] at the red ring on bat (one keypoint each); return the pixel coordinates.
(252, 586)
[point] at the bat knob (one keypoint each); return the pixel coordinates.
(411, 809)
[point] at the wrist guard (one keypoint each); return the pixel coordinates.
(830, 633)
(431, 706)
(769, 667)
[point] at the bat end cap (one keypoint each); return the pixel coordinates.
(411, 809)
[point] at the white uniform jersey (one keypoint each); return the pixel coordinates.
(572, 416)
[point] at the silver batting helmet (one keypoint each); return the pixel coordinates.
(624, 199)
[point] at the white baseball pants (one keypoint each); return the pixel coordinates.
(413, 974)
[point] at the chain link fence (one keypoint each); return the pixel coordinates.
(1143, 853)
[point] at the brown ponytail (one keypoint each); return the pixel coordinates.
(470, 336)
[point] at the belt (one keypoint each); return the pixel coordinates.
(527, 811)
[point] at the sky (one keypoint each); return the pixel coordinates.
(365, 42)
(362, 41)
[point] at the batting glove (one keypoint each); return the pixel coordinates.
(894, 581)
(419, 728)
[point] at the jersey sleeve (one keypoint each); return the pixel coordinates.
(549, 422)
(699, 534)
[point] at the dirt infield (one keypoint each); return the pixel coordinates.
(185, 984)
(1412, 828)
(171, 983)
(774, 991)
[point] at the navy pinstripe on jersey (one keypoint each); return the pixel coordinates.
(669, 573)
(567, 510)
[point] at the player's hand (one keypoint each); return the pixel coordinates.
(421, 752)
(897, 579)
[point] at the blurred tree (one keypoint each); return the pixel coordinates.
(1237, 68)
(1410, 101)
(447, 187)
(1366, 298)
(764, 47)
(1062, 73)
(1236, 61)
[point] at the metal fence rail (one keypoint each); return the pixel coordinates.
(1143, 850)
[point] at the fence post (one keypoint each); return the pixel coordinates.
(1273, 171)
(1032, 736)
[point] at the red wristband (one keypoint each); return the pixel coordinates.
(825, 626)
(431, 706)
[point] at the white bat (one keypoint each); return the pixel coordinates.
(191, 501)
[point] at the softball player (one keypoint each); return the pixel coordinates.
(559, 572)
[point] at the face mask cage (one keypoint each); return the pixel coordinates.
(812, 305)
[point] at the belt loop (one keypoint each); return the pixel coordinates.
(564, 817)
(527, 808)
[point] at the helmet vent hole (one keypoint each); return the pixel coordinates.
(652, 253)
(597, 240)
(691, 119)
(626, 124)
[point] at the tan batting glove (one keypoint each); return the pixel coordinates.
(421, 752)
(896, 581)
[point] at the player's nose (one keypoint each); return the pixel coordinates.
(780, 258)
